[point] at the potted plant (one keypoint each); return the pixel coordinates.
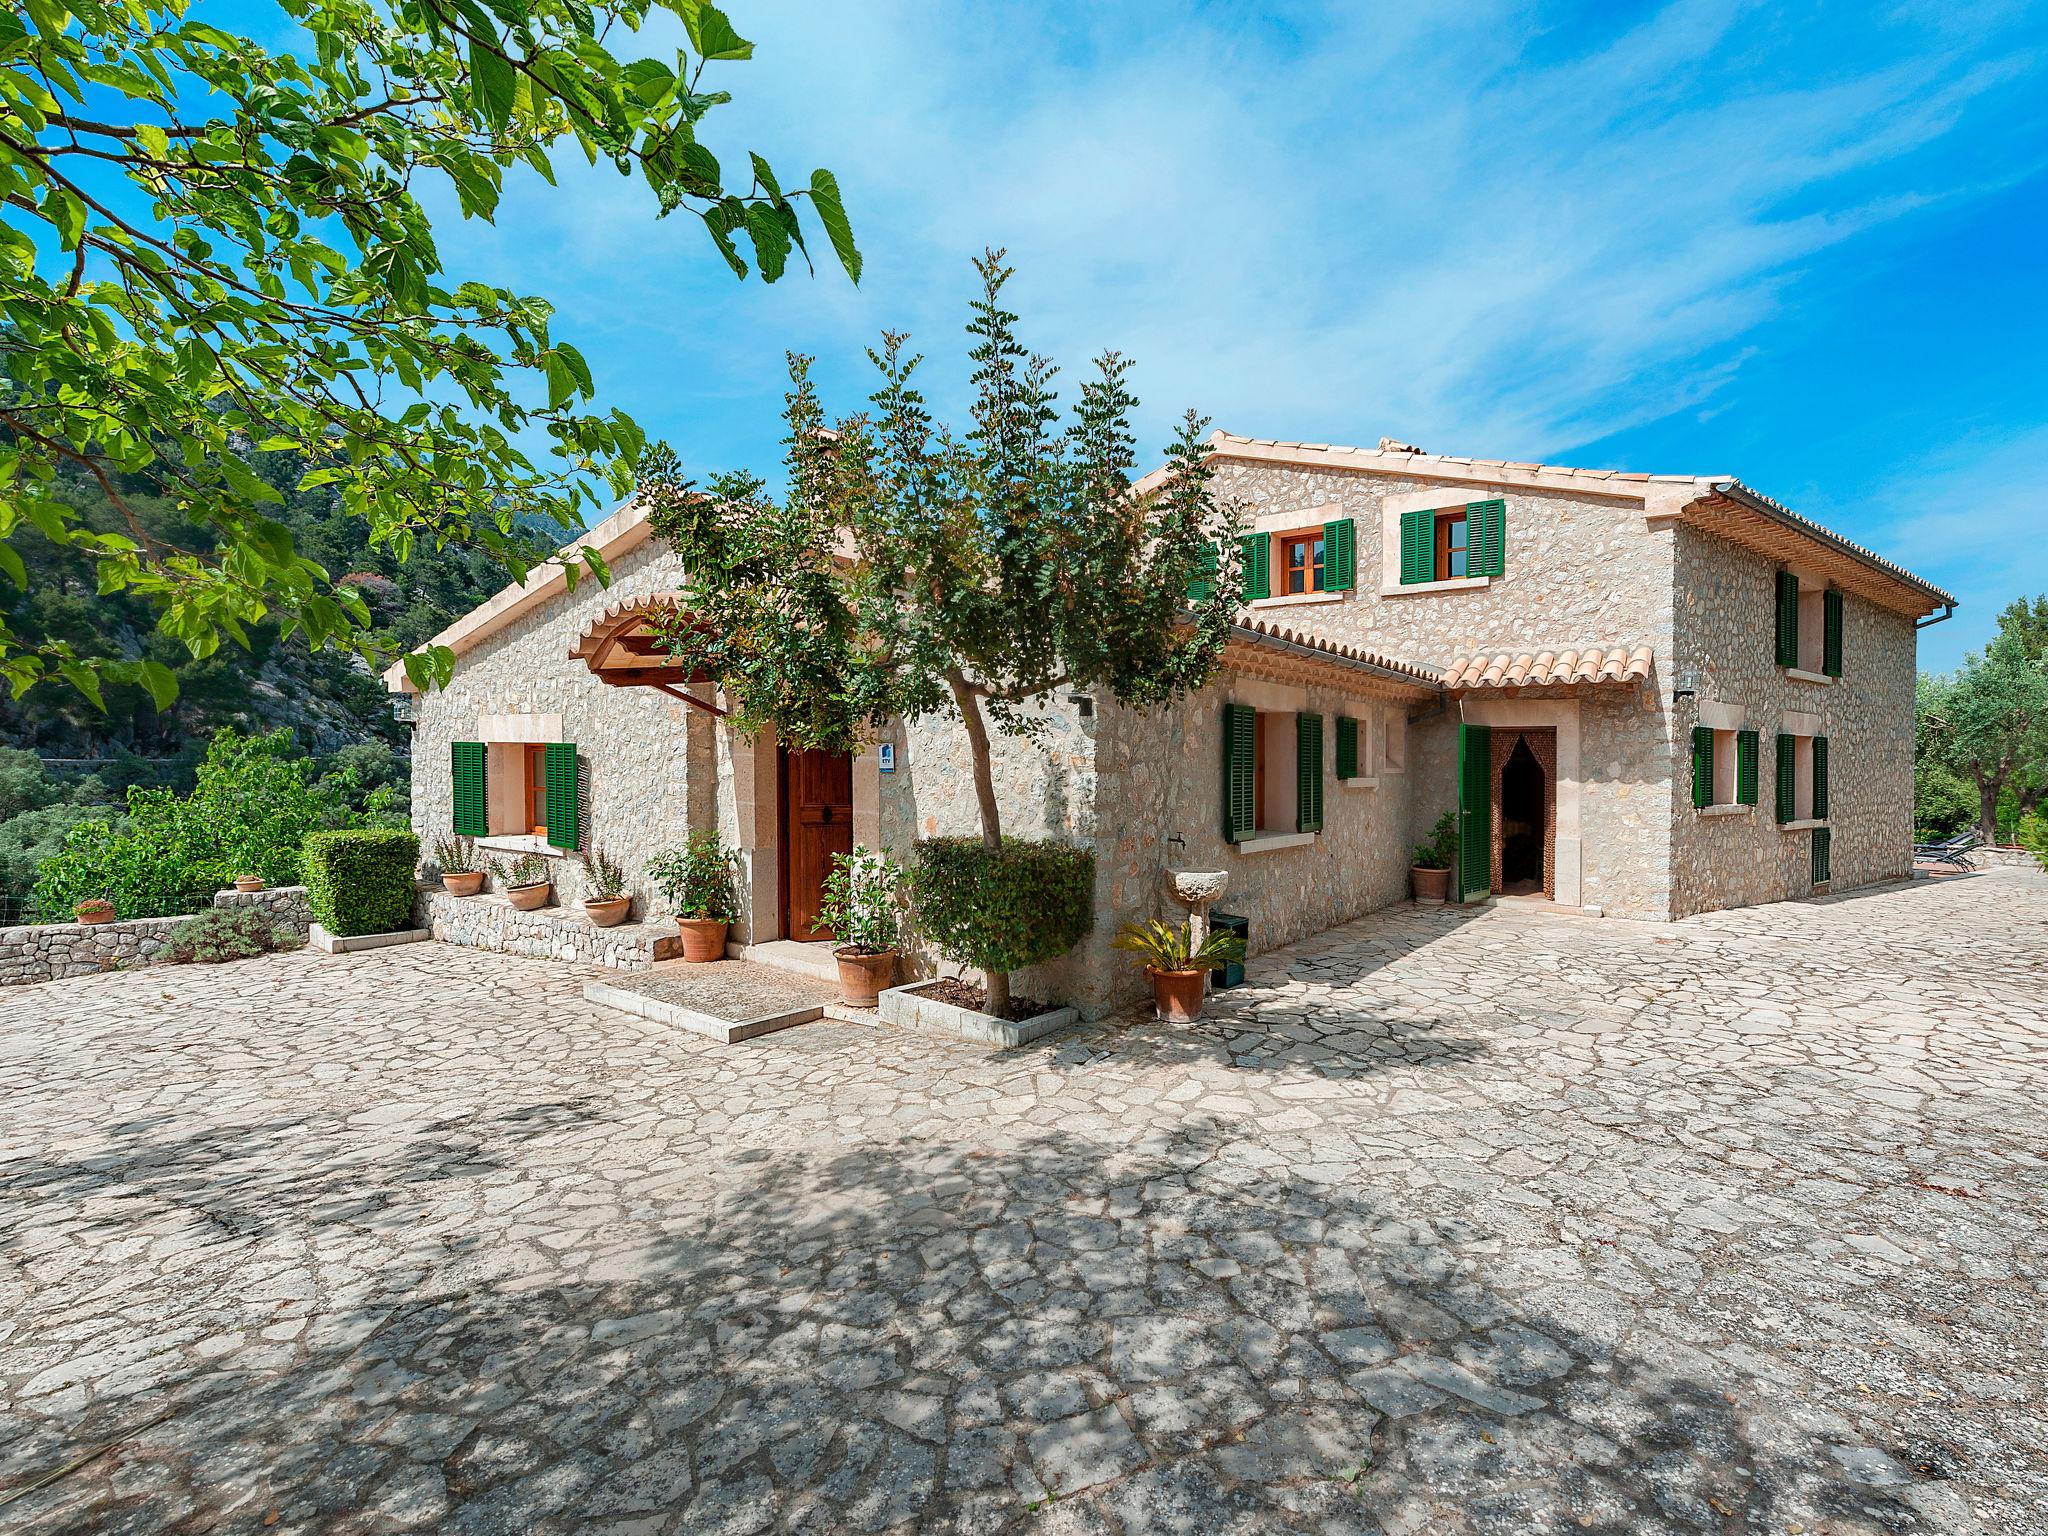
(861, 903)
(1431, 870)
(94, 909)
(604, 882)
(697, 880)
(248, 882)
(462, 873)
(526, 882)
(1179, 968)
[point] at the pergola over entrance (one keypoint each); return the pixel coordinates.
(622, 649)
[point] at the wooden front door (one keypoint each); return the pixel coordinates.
(817, 822)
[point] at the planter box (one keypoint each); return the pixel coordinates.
(339, 944)
(907, 1009)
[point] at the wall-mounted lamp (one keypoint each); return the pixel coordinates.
(1082, 703)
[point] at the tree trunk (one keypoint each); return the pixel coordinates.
(969, 704)
(1987, 804)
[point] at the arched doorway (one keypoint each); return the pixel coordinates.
(1524, 797)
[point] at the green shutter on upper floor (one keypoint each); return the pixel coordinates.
(564, 797)
(1486, 538)
(1475, 812)
(1820, 778)
(1788, 795)
(1745, 767)
(1788, 619)
(1831, 633)
(466, 761)
(1240, 772)
(1256, 549)
(1347, 747)
(1340, 555)
(1418, 547)
(1308, 773)
(1206, 564)
(1702, 766)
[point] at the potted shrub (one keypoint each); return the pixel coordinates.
(94, 909)
(1431, 870)
(861, 906)
(248, 882)
(526, 882)
(697, 880)
(462, 872)
(606, 900)
(1178, 968)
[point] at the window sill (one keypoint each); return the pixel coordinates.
(1270, 842)
(1802, 826)
(1726, 810)
(1296, 599)
(1362, 783)
(526, 842)
(1798, 675)
(1417, 589)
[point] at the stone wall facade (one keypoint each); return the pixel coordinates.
(48, 951)
(552, 933)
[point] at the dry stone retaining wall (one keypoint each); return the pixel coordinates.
(47, 951)
(554, 933)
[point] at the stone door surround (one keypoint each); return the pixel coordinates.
(1565, 790)
(1542, 741)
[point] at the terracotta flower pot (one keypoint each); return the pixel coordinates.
(248, 882)
(1431, 884)
(703, 938)
(94, 912)
(862, 977)
(526, 897)
(608, 914)
(463, 883)
(1177, 995)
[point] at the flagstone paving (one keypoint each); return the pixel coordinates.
(1498, 1222)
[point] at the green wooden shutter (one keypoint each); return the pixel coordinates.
(1486, 538)
(472, 803)
(1745, 767)
(1788, 619)
(1788, 799)
(1702, 765)
(1256, 548)
(1820, 778)
(564, 797)
(1204, 583)
(1823, 855)
(1340, 555)
(1475, 812)
(1347, 747)
(1418, 547)
(1308, 773)
(1240, 772)
(1831, 633)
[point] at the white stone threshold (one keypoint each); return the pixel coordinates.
(347, 944)
(906, 1009)
(788, 955)
(676, 1016)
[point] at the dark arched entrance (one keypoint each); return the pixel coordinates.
(1523, 822)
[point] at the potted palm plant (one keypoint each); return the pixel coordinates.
(604, 882)
(697, 880)
(527, 882)
(462, 872)
(1179, 967)
(94, 909)
(861, 907)
(1431, 869)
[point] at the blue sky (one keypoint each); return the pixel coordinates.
(1801, 244)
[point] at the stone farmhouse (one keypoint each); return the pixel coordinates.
(1641, 696)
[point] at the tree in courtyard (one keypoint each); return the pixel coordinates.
(212, 248)
(1988, 722)
(910, 570)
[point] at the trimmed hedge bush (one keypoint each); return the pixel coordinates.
(1003, 909)
(360, 880)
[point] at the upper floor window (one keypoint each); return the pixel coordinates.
(1809, 627)
(1453, 549)
(1426, 546)
(1301, 563)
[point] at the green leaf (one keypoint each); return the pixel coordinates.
(712, 35)
(595, 561)
(495, 84)
(832, 214)
(10, 562)
(66, 215)
(771, 240)
(161, 682)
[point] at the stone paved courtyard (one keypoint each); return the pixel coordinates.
(1504, 1222)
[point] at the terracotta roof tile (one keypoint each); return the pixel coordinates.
(1530, 669)
(1255, 630)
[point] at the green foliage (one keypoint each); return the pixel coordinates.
(2032, 834)
(1000, 909)
(863, 901)
(528, 869)
(1988, 723)
(267, 281)
(1165, 947)
(458, 856)
(697, 879)
(1441, 851)
(359, 879)
(604, 878)
(1942, 803)
(225, 933)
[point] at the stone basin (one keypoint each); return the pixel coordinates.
(1197, 890)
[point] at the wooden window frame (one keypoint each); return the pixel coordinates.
(1314, 566)
(1440, 543)
(533, 757)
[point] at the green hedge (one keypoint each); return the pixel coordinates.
(360, 880)
(1003, 909)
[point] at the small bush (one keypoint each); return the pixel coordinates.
(226, 933)
(1003, 909)
(360, 880)
(697, 879)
